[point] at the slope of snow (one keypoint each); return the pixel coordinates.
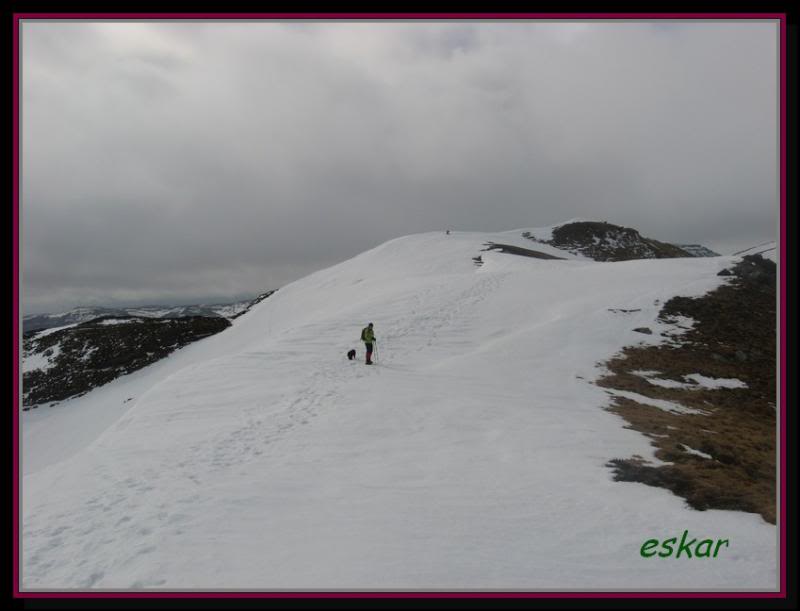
(706, 382)
(38, 360)
(117, 321)
(471, 456)
(52, 330)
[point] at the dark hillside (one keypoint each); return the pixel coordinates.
(80, 358)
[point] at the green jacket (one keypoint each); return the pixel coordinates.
(367, 335)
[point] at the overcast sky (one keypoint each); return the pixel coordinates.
(167, 162)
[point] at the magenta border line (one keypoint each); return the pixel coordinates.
(413, 16)
(783, 283)
(15, 308)
(383, 594)
(781, 17)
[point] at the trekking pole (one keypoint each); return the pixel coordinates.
(376, 349)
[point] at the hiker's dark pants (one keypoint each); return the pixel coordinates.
(369, 351)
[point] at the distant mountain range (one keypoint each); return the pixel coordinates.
(40, 322)
(696, 250)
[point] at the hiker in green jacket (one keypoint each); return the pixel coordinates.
(368, 337)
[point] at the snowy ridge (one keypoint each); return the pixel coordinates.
(471, 456)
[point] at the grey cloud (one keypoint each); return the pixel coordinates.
(163, 161)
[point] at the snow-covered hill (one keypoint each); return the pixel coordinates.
(473, 455)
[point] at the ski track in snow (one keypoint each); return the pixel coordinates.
(219, 474)
(130, 506)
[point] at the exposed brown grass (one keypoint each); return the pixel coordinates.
(734, 337)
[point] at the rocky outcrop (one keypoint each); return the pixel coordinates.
(603, 241)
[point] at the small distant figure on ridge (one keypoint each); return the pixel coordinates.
(368, 337)
(447, 232)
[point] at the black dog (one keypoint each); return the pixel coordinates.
(351, 355)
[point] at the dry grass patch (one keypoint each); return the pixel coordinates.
(723, 455)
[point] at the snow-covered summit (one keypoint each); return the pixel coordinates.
(473, 455)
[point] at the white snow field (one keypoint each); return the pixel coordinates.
(471, 457)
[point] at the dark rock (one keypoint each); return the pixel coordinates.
(516, 250)
(645, 330)
(725, 272)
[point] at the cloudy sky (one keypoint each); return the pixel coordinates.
(177, 162)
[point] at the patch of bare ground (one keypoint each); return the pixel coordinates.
(722, 453)
(516, 250)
